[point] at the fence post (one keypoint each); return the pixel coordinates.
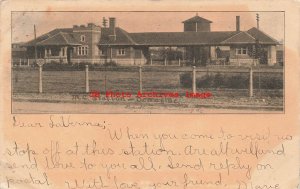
(87, 88)
(165, 61)
(40, 78)
(194, 79)
(251, 83)
(179, 62)
(151, 61)
(140, 78)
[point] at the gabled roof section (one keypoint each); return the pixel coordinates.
(122, 37)
(262, 37)
(239, 38)
(164, 38)
(65, 34)
(61, 39)
(186, 38)
(197, 19)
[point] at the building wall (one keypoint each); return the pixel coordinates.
(132, 56)
(201, 27)
(242, 59)
(18, 52)
(92, 35)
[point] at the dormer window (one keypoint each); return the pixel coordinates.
(82, 38)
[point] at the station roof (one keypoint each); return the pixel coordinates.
(65, 37)
(56, 37)
(188, 38)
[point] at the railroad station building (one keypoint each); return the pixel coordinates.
(195, 45)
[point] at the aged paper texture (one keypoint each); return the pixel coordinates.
(149, 94)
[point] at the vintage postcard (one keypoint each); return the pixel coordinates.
(153, 94)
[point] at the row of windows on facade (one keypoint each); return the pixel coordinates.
(83, 50)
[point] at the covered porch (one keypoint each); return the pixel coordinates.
(58, 48)
(51, 54)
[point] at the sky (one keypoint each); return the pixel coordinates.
(23, 22)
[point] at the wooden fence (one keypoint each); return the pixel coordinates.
(193, 70)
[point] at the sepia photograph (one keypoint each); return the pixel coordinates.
(147, 62)
(150, 94)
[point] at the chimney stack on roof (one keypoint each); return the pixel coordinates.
(112, 28)
(237, 23)
(112, 24)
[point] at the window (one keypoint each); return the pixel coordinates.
(82, 50)
(241, 51)
(48, 52)
(121, 51)
(82, 38)
(102, 52)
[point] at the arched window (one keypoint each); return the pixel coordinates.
(82, 38)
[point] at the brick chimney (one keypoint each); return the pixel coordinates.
(112, 28)
(237, 23)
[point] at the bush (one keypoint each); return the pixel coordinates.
(55, 66)
(219, 80)
(237, 82)
(110, 64)
(268, 82)
(186, 80)
(81, 66)
(205, 82)
(230, 81)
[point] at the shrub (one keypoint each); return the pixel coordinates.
(238, 82)
(219, 80)
(81, 65)
(110, 64)
(206, 81)
(268, 82)
(186, 80)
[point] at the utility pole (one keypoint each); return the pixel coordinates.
(258, 54)
(35, 48)
(257, 21)
(104, 22)
(40, 63)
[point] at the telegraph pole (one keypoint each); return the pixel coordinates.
(104, 22)
(35, 48)
(40, 63)
(257, 21)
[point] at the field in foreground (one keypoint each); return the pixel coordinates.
(26, 81)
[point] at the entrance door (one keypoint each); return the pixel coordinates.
(69, 54)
